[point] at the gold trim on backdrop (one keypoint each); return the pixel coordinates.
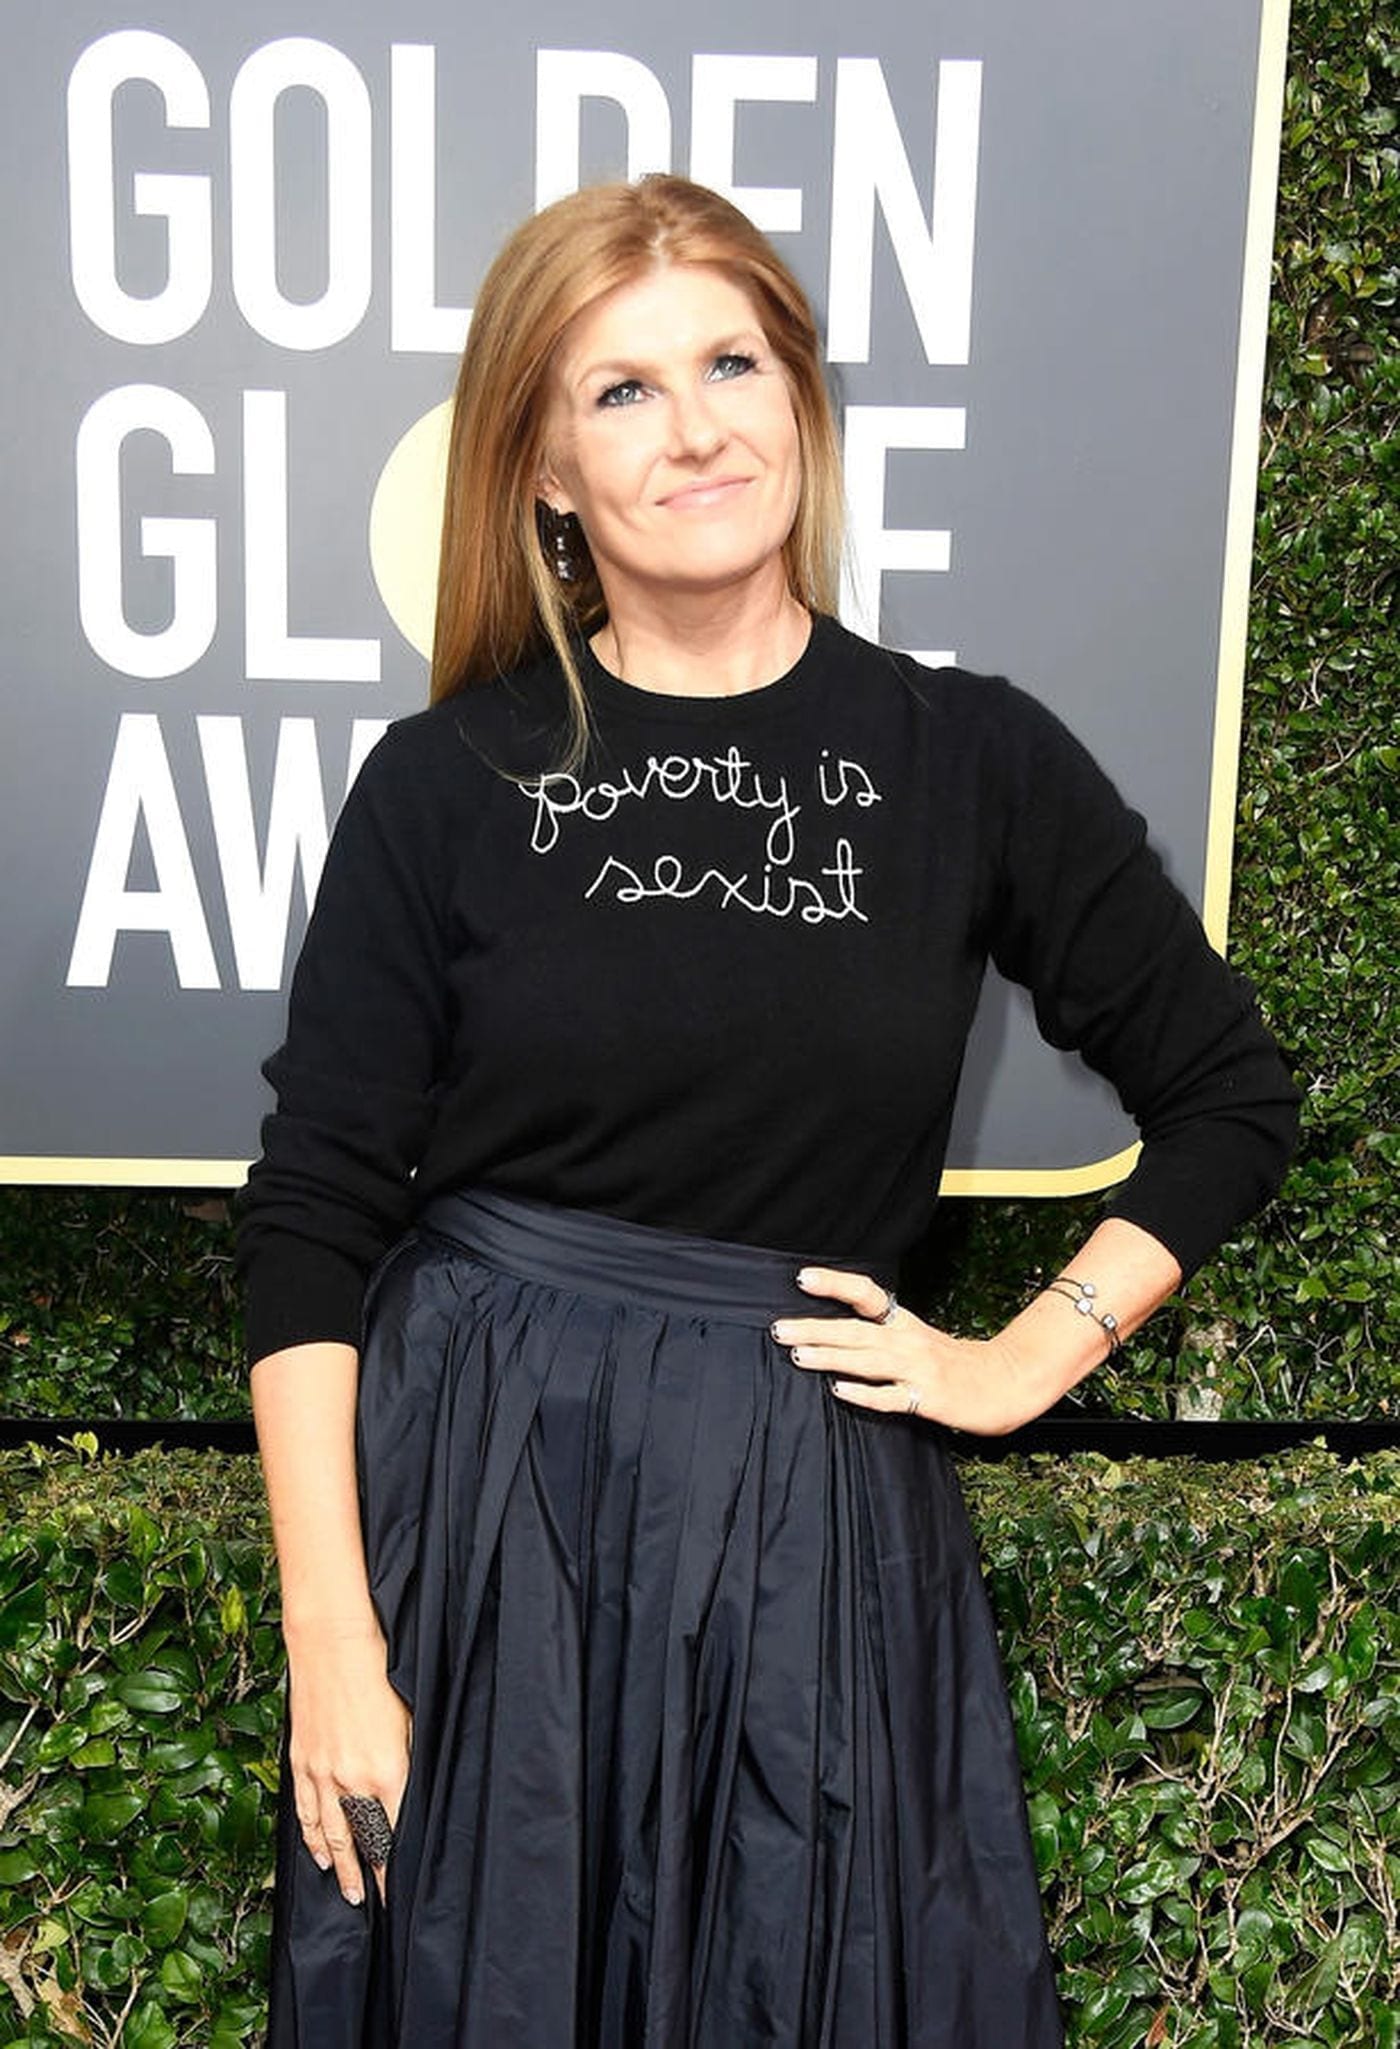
(1085, 1180)
(1244, 467)
(115, 1173)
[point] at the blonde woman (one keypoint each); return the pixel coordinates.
(643, 1692)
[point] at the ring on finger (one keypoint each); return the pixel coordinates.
(912, 1405)
(891, 1304)
(370, 1826)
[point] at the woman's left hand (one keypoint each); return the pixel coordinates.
(906, 1366)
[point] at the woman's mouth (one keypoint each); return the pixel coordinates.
(699, 497)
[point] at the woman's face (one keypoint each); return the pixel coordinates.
(672, 436)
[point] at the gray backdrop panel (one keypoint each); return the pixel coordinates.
(1087, 510)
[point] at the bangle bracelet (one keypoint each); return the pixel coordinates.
(1083, 1295)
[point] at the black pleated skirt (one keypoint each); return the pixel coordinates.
(711, 1743)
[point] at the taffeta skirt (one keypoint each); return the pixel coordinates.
(711, 1742)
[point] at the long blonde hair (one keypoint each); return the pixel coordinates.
(499, 602)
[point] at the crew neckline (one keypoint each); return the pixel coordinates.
(607, 692)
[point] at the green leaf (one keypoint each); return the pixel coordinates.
(1382, 2018)
(1329, 1856)
(181, 1976)
(1319, 1987)
(163, 1917)
(150, 1693)
(1171, 1710)
(143, 1535)
(99, 1751)
(181, 1753)
(148, 2028)
(1362, 1647)
(1044, 1815)
(105, 1815)
(1318, 1677)
(239, 2016)
(1106, 2003)
(1147, 1880)
(238, 1827)
(124, 1584)
(57, 1744)
(22, 1618)
(50, 1933)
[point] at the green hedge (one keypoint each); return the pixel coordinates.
(119, 1303)
(1204, 1662)
(139, 1658)
(1317, 909)
(116, 1302)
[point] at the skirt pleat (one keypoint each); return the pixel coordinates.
(711, 1744)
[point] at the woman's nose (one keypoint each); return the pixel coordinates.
(697, 426)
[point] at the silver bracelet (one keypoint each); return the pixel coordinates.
(1085, 1298)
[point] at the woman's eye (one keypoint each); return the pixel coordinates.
(624, 394)
(731, 365)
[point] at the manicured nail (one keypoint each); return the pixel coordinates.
(779, 1332)
(796, 1355)
(804, 1278)
(322, 1859)
(354, 1898)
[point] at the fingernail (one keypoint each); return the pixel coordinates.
(354, 1898)
(804, 1277)
(322, 1859)
(778, 1331)
(796, 1355)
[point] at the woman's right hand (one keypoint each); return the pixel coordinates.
(350, 1733)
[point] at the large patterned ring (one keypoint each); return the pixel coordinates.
(369, 1825)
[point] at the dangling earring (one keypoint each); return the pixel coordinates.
(557, 531)
(565, 566)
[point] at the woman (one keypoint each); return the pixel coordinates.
(627, 1590)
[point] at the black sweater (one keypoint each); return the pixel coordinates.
(721, 977)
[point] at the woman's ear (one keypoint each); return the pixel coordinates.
(549, 489)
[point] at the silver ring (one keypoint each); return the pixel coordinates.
(887, 1313)
(913, 1404)
(370, 1826)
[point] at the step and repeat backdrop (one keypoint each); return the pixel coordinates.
(239, 253)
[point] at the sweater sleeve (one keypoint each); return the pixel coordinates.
(354, 1080)
(1119, 968)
